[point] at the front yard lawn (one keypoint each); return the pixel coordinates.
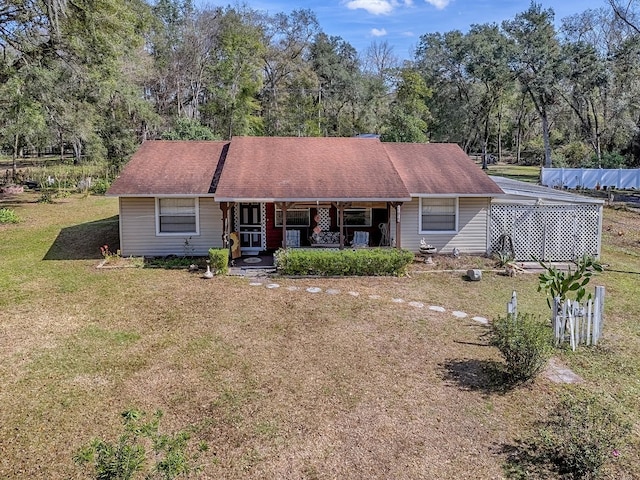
(279, 382)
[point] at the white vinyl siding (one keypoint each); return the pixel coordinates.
(177, 216)
(138, 229)
(471, 236)
(438, 215)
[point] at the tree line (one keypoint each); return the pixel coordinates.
(97, 77)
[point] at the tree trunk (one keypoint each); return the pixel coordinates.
(545, 138)
(16, 143)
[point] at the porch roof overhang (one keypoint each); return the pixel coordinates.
(163, 195)
(310, 201)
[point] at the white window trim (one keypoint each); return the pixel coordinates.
(307, 210)
(421, 230)
(363, 225)
(177, 234)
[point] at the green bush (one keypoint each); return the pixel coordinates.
(219, 258)
(578, 439)
(326, 262)
(7, 215)
(127, 457)
(560, 283)
(100, 186)
(525, 344)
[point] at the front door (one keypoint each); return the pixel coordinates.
(250, 228)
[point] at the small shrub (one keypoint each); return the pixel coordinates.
(7, 215)
(46, 197)
(99, 186)
(126, 457)
(219, 258)
(365, 261)
(525, 344)
(579, 438)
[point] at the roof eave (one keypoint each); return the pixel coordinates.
(310, 199)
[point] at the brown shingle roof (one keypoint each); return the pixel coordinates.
(291, 168)
(162, 167)
(439, 169)
(308, 168)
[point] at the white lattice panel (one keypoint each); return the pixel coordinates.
(325, 219)
(547, 232)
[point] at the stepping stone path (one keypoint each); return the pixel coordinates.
(555, 371)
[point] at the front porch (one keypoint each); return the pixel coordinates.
(267, 226)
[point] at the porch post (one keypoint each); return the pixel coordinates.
(284, 207)
(226, 224)
(340, 208)
(398, 206)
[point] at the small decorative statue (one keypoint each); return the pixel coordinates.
(425, 248)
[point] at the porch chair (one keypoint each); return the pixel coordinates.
(293, 238)
(360, 239)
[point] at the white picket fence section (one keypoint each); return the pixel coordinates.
(591, 178)
(578, 323)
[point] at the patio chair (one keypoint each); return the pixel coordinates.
(360, 239)
(293, 238)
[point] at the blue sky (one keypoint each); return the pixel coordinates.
(401, 22)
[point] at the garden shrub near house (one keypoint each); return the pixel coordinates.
(219, 258)
(525, 343)
(325, 262)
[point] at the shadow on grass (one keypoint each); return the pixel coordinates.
(83, 242)
(486, 376)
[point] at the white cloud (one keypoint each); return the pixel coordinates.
(378, 33)
(374, 7)
(439, 4)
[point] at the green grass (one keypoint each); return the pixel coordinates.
(523, 173)
(279, 383)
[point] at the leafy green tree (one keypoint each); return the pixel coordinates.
(235, 76)
(289, 93)
(337, 67)
(409, 112)
(537, 62)
(188, 129)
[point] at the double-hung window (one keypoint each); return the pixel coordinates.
(177, 216)
(438, 215)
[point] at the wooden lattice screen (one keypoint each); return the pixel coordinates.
(547, 232)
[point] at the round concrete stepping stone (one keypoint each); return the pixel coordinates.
(332, 291)
(314, 290)
(397, 300)
(293, 288)
(459, 314)
(435, 308)
(273, 285)
(354, 294)
(417, 304)
(480, 320)
(255, 284)
(375, 297)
